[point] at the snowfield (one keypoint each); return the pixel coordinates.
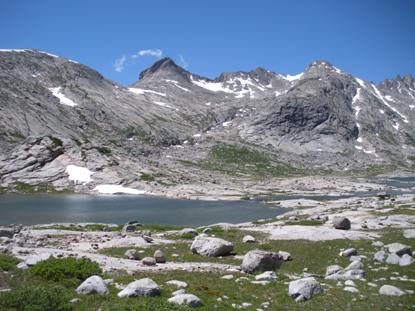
(79, 174)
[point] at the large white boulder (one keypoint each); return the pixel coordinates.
(93, 285)
(389, 290)
(212, 247)
(304, 289)
(260, 261)
(399, 249)
(142, 287)
(186, 299)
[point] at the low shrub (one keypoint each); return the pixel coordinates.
(36, 298)
(69, 272)
(7, 262)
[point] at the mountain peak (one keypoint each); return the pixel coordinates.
(164, 67)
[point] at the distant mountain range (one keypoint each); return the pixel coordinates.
(174, 127)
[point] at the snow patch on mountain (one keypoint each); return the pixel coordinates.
(143, 91)
(79, 174)
(293, 78)
(361, 83)
(176, 83)
(210, 85)
(56, 91)
(164, 105)
(379, 95)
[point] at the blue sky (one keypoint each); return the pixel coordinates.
(371, 39)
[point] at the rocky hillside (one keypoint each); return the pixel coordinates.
(65, 126)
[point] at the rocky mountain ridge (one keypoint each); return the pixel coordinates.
(173, 127)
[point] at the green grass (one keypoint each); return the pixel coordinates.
(182, 248)
(25, 188)
(401, 210)
(241, 160)
(56, 142)
(8, 262)
(147, 177)
(315, 256)
(305, 222)
(103, 150)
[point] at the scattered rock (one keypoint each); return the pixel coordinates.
(399, 249)
(159, 256)
(266, 276)
(22, 266)
(142, 287)
(148, 261)
(405, 260)
(227, 277)
(355, 274)
(34, 259)
(147, 238)
(188, 232)
(212, 247)
(350, 283)
(260, 282)
(92, 285)
(248, 239)
(179, 284)
(351, 289)
(393, 259)
(132, 254)
(377, 244)
(333, 269)
(179, 292)
(129, 228)
(379, 256)
(409, 234)
(304, 289)
(348, 252)
(342, 223)
(357, 264)
(285, 256)
(186, 299)
(260, 261)
(8, 232)
(390, 290)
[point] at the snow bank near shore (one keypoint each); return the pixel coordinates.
(117, 189)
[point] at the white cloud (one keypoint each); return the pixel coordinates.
(119, 63)
(150, 52)
(183, 61)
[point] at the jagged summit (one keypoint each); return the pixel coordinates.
(320, 118)
(164, 68)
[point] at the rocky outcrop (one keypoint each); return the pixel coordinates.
(56, 112)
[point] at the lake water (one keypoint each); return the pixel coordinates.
(42, 209)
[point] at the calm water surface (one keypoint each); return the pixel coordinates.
(42, 209)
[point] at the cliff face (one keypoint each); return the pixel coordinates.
(55, 112)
